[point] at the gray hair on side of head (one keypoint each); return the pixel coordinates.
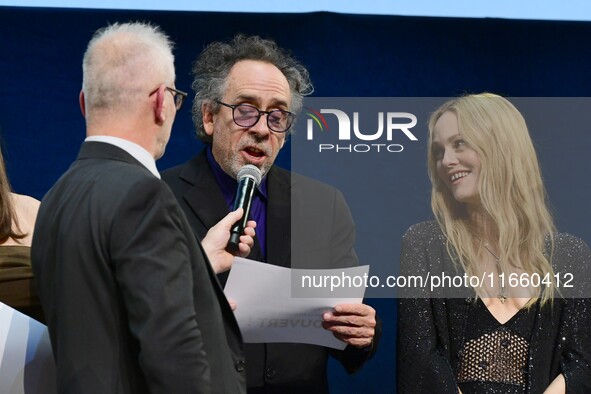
(212, 67)
(121, 61)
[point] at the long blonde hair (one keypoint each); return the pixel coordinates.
(510, 187)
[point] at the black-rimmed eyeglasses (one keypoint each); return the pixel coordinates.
(246, 115)
(179, 96)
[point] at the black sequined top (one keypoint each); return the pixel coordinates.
(435, 334)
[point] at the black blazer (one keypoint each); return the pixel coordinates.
(431, 330)
(326, 240)
(132, 304)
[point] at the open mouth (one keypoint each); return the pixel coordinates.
(458, 175)
(254, 154)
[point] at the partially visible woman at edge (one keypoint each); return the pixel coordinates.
(17, 220)
(492, 219)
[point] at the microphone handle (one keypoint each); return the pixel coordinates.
(243, 200)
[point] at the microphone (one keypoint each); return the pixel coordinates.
(249, 178)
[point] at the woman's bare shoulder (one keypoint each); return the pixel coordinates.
(26, 207)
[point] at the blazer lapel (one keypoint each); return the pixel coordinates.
(279, 217)
(208, 205)
(204, 197)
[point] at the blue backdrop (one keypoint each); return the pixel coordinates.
(348, 55)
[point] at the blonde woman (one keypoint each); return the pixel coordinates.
(17, 220)
(492, 222)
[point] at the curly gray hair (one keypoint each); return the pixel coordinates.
(212, 67)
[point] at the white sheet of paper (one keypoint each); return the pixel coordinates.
(267, 312)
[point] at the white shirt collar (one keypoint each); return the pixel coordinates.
(138, 153)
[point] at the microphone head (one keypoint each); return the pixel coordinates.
(250, 171)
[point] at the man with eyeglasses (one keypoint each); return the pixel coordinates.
(247, 94)
(132, 303)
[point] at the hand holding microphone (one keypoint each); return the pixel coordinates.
(215, 242)
(249, 177)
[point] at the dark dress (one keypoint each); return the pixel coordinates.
(17, 287)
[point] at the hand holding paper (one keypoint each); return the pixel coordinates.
(353, 324)
(267, 312)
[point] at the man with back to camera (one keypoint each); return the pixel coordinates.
(132, 304)
(247, 94)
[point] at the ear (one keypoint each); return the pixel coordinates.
(159, 109)
(208, 115)
(82, 103)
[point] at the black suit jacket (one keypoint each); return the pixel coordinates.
(132, 303)
(324, 235)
